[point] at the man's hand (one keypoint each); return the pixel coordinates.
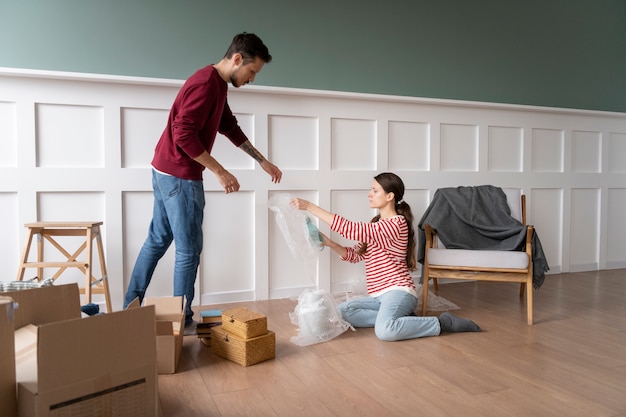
(228, 181)
(272, 170)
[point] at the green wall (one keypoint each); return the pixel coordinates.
(558, 53)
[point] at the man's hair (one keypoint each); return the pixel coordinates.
(250, 46)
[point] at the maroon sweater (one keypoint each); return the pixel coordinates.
(200, 110)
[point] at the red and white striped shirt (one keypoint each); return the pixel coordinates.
(385, 258)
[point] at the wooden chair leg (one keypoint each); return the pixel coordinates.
(425, 293)
(436, 285)
(529, 303)
(529, 296)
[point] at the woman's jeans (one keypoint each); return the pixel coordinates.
(177, 216)
(391, 316)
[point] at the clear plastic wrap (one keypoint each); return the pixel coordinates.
(318, 318)
(301, 235)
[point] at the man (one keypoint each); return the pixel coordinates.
(199, 112)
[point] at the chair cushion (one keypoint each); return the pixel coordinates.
(478, 258)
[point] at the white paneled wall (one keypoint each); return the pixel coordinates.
(77, 147)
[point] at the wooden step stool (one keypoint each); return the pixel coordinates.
(47, 231)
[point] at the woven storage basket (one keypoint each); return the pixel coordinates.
(245, 352)
(244, 323)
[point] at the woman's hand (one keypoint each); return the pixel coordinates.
(323, 215)
(336, 247)
(300, 204)
(326, 240)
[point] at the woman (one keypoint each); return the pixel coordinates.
(387, 244)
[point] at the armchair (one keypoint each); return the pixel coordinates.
(480, 233)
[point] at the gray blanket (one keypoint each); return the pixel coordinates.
(478, 218)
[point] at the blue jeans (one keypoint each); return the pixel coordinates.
(390, 315)
(177, 216)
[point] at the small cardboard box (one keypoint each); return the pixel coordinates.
(8, 399)
(170, 322)
(99, 366)
(245, 352)
(244, 323)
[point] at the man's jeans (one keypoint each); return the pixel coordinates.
(391, 316)
(177, 216)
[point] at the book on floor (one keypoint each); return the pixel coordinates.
(211, 316)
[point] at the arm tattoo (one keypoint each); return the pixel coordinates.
(251, 150)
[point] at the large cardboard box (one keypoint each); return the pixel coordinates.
(170, 322)
(98, 366)
(46, 304)
(8, 402)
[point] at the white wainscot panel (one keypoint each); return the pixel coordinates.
(586, 151)
(353, 144)
(409, 146)
(506, 145)
(230, 156)
(137, 212)
(141, 130)
(585, 227)
(459, 148)
(546, 215)
(294, 142)
(8, 135)
(547, 150)
(70, 207)
(10, 246)
(617, 152)
(70, 136)
(228, 257)
(616, 235)
(291, 266)
(353, 205)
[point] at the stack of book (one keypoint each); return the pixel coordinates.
(209, 319)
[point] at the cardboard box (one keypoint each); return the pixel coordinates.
(8, 399)
(170, 322)
(46, 304)
(98, 366)
(244, 323)
(245, 352)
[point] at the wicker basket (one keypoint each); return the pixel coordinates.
(245, 352)
(244, 323)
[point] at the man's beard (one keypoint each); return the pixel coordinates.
(233, 79)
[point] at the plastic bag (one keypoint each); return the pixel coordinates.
(302, 236)
(314, 234)
(318, 318)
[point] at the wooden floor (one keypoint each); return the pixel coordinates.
(572, 362)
